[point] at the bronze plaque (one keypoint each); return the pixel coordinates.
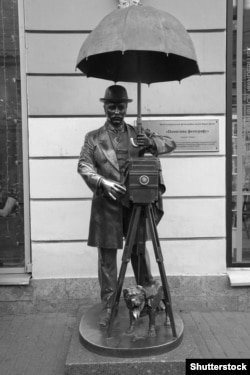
(189, 135)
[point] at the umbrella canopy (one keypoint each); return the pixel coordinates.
(138, 44)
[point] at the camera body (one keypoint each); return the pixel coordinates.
(143, 180)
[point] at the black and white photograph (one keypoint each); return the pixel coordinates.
(124, 187)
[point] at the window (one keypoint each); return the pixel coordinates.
(12, 246)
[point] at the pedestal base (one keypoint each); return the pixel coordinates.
(121, 344)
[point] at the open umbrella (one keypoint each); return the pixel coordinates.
(138, 44)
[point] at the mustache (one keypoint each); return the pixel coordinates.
(116, 117)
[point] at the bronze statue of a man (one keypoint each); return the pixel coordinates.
(102, 164)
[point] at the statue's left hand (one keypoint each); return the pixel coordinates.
(144, 141)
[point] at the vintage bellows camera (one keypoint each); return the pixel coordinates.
(143, 180)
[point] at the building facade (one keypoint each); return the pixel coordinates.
(204, 232)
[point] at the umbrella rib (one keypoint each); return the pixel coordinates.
(124, 29)
(118, 67)
(123, 45)
(163, 33)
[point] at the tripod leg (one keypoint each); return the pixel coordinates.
(141, 246)
(159, 259)
(130, 239)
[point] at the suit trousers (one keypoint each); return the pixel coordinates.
(107, 272)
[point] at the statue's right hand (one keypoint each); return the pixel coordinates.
(113, 189)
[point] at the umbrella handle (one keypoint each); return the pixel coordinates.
(133, 143)
(138, 121)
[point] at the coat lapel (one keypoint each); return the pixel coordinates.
(107, 147)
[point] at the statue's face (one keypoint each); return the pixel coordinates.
(115, 112)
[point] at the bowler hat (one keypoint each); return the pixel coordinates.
(116, 94)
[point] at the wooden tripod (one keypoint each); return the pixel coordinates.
(139, 214)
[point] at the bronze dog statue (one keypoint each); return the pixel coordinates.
(145, 300)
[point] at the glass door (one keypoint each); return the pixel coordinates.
(240, 255)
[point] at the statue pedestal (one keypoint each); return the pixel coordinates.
(121, 344)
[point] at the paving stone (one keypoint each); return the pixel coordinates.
(48, 344)
(35, 344)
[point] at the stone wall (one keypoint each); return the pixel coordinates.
(189, 293)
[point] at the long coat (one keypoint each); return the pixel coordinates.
(98, 159)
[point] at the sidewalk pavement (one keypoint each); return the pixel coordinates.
(37, 344)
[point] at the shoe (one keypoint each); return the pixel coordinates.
(105, 318)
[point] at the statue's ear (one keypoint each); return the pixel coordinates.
(125, 292)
